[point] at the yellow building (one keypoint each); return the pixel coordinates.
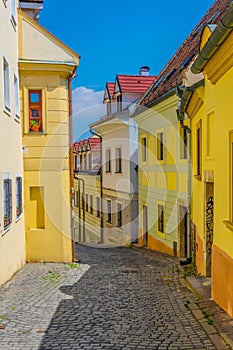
(87, 185)
(12, 237)
(46, 67)
(164, 170)
(210, 110)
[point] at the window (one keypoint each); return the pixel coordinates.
(91, 204)
(6, 83)
(13, 13)
(119, 103)
(98, 207)
(160, 218)
(108, 108)
(7, 202)
(19, 197)
(37, 210)
(118, 160)
(108, 161)
(109, 212)
(183, 142)
(144, 149)
(90, 161)
(231, 176)
(77, 199)
(35, 110)
(86, 202)
(160, 146)
(16, 96)
(198, 149)
(119, 215)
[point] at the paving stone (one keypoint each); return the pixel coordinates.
(117, 298)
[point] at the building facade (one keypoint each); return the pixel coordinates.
(46, 67)
(12, 238)
(164, 156)
(209, 108)
(87, 185)
(118, 131)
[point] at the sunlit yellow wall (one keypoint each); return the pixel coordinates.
(216, 116)
(46, 154)
(12, 241)
(91, 186)
(161, 181)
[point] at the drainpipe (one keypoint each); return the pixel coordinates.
(101, 188)
(184, 94)
(79, 208)
(71, 161)
(218, 36)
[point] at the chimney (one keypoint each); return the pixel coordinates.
(144, 70)
(32, 7)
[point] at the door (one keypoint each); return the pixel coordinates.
(145, 226)
(183, 231)
(209, 225)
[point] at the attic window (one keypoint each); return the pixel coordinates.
(158, 82)
(168, 76)
(214, 16)
(199, 28)
(186, 62)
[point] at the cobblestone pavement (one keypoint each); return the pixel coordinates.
(116, 299)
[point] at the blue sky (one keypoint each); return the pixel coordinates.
(117, 37)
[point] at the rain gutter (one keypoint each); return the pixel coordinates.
(218, 36)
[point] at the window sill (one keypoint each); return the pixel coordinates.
(36, 132)
(7, 111)
(119, 172)
(198, 177)
(108, 172)
(13, 22)
(109, 223)
(6, 230)
(18, 217)
(17, 118)
(229, 224)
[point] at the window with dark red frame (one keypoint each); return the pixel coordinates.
(35, 111)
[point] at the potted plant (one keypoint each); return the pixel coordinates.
(18, 210)
(34, 125)
(5, 220)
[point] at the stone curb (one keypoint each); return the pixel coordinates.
(220, 340)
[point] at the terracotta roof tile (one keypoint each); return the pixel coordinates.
(172, 74)
(135, 83)
(110, 87)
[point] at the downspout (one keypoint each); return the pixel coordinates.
(185, 93)
(71, 161)
(101, 187)
(218, 36)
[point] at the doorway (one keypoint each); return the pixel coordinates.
(209, 224)
(183, 231)
(145, 226)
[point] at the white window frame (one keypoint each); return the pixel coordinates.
(6, 85)
(13, 14)
(108, 160)
(6, 176)
(18, 197)
(119, 212)
(118, 160)
(109, 213)
(16, 96)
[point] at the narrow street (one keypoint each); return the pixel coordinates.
(117, 298)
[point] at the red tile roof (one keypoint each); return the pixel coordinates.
(134, 83)
(172, 75)
(110, 88)
(94, 143)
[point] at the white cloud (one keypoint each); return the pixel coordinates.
(87, 107)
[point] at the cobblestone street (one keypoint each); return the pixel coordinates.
(117, 298)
